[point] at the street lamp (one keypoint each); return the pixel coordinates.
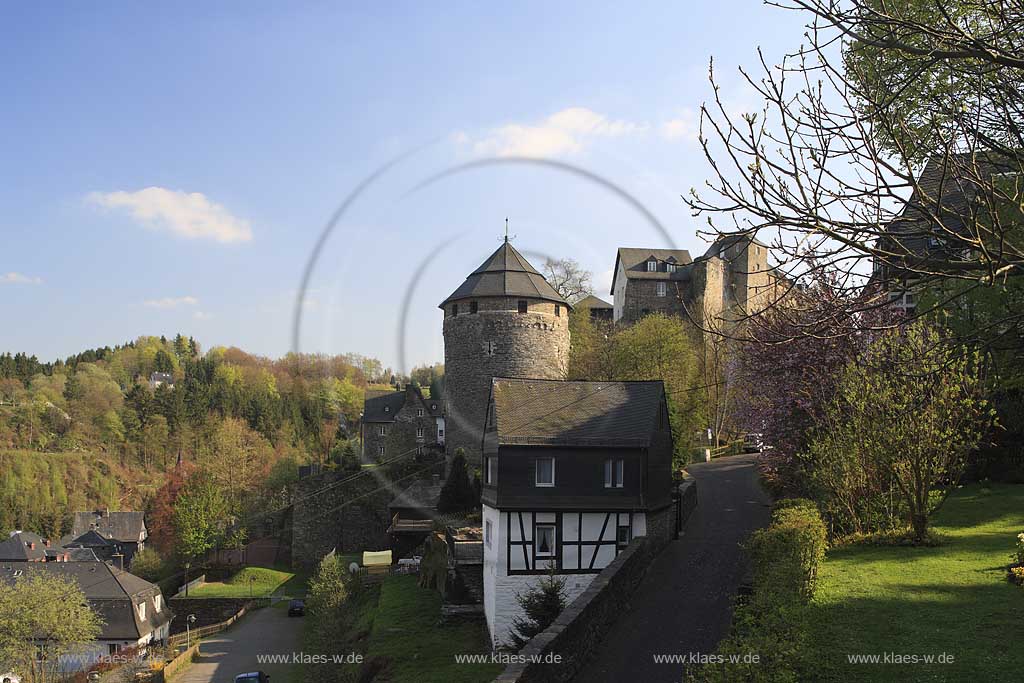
(188, 630)
(188, 566)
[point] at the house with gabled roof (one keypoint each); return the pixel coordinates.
(572, 472)
(403, 422)
(133, 611)
(124, 531)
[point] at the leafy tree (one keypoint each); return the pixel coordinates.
(541, 606)
(148, 564)
(201, 517)
(160, 516)
(457, 494)
(46, 614)
(910, 410)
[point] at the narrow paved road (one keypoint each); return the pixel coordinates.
(234, 651)
(684, 603)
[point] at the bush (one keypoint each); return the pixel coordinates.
(772, 624)
(457, 494)
(148, 564)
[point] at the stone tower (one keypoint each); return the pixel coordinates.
(505, 320)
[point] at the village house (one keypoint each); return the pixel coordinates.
(25, 546)
(133, 611)
(573, 471)
(401, 422)
(599, 308)
(111, 535)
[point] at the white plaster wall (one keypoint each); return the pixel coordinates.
(619, 295)
(494, 557)
(507, 609)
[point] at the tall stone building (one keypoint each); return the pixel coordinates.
(505, 320)
(731, 279)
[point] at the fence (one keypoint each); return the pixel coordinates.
(174, 667)
(205, 631)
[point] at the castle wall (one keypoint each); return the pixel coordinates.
(497, 341)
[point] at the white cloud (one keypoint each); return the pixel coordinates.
(684, 127)
(564, 132)
(171, 302)
(202, 315)
(13, 278)
(191, 215)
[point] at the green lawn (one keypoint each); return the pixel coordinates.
(407, 633)
(951, 599)
(255, 581)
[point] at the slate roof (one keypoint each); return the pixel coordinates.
(112, 593)
(554, 412)
(16, 547)
(943, 188)
(506, 272)
(383, 408)
(592, 302)
(90, 539)
(634, 262)
(125, 527)
(423, 494)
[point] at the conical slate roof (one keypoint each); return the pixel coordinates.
(506, 272)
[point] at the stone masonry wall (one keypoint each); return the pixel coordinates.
(351, 516)
(534, 344)
(400, 436)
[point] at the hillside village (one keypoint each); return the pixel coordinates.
(791, 454)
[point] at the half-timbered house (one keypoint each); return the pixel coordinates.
(572, 472)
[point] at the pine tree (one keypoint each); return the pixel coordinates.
(541, 604)
(457, 494)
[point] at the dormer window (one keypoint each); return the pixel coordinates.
(473, 307)
(156, 603)
(670, 267)
(387, 409)
(142, 611)
(652, 266)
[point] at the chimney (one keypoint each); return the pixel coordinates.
(120, 561)
(47, 543)
(32, 545)
(106, 512)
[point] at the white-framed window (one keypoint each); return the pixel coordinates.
(156, 603)
(419, 432)
(488, 532)
(614, 471)
(662, 289)
(544, 472)
(652, 266)
(419, 412)
(491, 470)
(544, 540)
(383, 430)
(142, 611)
(670, 267)
(380, 451)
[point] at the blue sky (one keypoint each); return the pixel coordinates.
(170, 168)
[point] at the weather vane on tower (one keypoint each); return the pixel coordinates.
(507, 238)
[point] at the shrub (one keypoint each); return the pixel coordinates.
(148, 565)
(457, 494)
(1017, 575)
(1020, 548)
(772, 624)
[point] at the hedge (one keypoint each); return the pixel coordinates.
(772, 622)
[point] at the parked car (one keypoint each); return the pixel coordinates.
(752, 442)
(297, 608)
(252, 677)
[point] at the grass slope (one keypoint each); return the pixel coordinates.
(406, 632)
(951, 599)
(264, 581)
